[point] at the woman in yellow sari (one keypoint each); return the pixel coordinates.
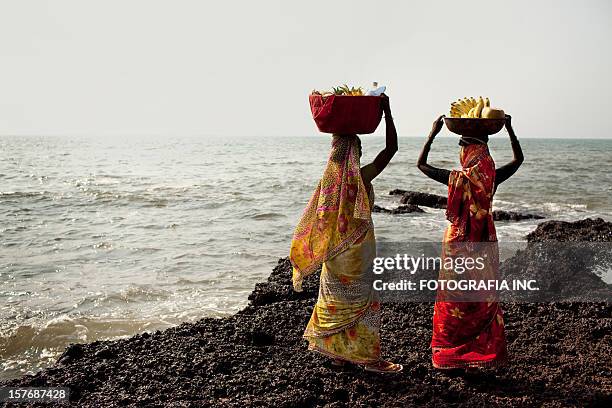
(336, 231)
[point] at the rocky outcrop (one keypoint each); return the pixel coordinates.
(437, 201)
(402, 209)
(501, 215)
(564, 259)
(591, 230)
(418, 198)
(559, 352)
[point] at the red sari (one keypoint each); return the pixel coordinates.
(470, 333)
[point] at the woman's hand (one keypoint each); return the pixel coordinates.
(436, 127)
(370, 171)
(505, 172)
(440, 175)
(385, 105)
(508, 125)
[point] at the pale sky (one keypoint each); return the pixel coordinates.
(234, 68)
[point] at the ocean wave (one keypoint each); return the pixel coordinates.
(43, 343)
(117, 197)
(37, 342)
(268, 216)
(26, 194)
(560, 207)
(190, 282)
(130, 294)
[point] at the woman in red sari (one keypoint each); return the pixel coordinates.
(470, 333)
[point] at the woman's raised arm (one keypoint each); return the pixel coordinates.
(505, 172)
(440, 175)
(370, 171)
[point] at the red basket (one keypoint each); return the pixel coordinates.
(341, 114)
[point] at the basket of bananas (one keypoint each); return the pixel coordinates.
(473, 117)
(345, 110)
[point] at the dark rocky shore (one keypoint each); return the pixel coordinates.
(402, 209)
(410, 200)
(563, 257)
(560, 355)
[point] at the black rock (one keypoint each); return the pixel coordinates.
(563, 257)
(73, 352)
(501, 215)
(402, 209)
(592, 230)
(424, 199)
(438, 201)
(105, 353)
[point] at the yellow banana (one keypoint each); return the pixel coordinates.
(460, 106)
(469, 107)
(457, 107)
(454, 112)
(478, 108)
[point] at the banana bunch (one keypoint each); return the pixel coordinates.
(469, 107)
(341, 90)
(345, 90)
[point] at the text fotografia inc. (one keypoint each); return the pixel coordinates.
(463, 285)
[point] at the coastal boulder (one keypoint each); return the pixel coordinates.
(418, 198)
(501, 215)
(563, 258)
(591, 230)
(402, 209)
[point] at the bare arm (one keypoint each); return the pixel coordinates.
(505, 172)
(370, 171)
(440, 175)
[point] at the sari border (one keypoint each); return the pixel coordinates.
(496, 362)
(337, 330)
(329, 354)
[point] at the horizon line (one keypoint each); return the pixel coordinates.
(189, 134)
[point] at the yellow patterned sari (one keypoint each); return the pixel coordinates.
(336, 232)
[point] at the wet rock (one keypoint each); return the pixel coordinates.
(418, 198)
(105, 353)
(398, 191)
(563, 258)
(591, 230)
(501, 215)
(73, 352)
(402, 209)
(437, 201)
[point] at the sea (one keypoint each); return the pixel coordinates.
(105, 237)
